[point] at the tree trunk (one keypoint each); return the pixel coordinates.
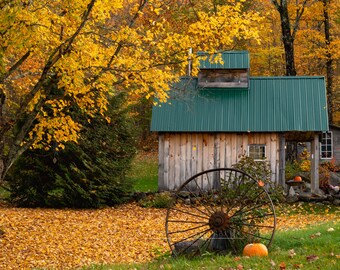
(329, 61)
(288, 42)
(289, 32)
(2, 171)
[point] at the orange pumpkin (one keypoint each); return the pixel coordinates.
(255, 249)
(297, 178)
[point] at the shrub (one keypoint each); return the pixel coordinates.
(158, 200)
(89, 174)
(292, 169)
(260, 170)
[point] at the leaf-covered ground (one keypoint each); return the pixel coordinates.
(67, 239)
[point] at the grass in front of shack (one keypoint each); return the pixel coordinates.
(144, 172)
(314, 247)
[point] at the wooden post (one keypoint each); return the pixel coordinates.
(315, 157)
(161, 181)
(282, 160)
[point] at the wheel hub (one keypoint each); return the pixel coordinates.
(218, 221)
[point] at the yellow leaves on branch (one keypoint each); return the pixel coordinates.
(59, 129)
(134, 46)
(228, 23)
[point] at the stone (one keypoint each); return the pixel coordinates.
(292, 199)
(291, 192)
(308, 197)
(189, 247)
(319, 193)
(307, 187)
(330, 198)
(336, 202)
(326, 202)
(183, 194)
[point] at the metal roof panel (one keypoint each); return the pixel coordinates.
(274, 104)
(231, 60)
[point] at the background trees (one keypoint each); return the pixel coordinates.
(133, 46)
(91, 50)
(307, 32)
(289, 28)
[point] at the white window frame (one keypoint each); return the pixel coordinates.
(324, 145)
(260, 146)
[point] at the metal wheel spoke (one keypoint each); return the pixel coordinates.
(248, 210)
(256, 225)
(255, 235)
(229, 240)
(243, 205)
(227, 188)
(257, 217)
(225, 205)
(192, 205)
(211, 188)
(190, 237)
(207, 240)
(188, 230)
(191, 214)
(210, 209)
(242, 195)
(193, 236)
(187, 221)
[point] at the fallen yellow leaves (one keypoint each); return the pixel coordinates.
(65, 239)
(72, 238)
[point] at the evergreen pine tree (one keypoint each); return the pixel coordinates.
(89, 174)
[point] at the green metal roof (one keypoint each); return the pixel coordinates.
(271, 104)
(231, 60)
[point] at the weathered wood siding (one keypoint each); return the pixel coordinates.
(336, 143)
(182, 155)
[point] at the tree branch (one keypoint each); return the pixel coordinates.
(299, 14)
(120, 45)
(276, 4)
(56, 55)
(14, 67)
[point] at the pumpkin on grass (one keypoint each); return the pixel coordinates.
(255, 249)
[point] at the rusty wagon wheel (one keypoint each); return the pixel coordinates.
(219, 210)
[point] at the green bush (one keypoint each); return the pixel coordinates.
(260, 170)
(89, 174)
(158, 200)
(292, 169)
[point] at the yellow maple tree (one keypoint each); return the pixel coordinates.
(90, 49)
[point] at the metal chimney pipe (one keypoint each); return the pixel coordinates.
(189, 62)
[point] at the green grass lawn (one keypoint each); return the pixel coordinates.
(144, 172)
(317, 247)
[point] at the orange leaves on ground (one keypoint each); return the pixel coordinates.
(282, 266)
(297, 217)
(65, 239)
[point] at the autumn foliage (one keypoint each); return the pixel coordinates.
(132, 46)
